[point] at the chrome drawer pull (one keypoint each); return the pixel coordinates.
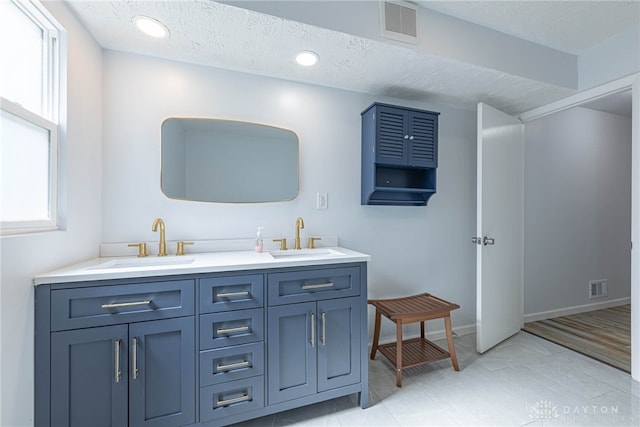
(321, 285)
(231, 366)
(126, 304)
(233, 294)
(244, 328)
(238, 399)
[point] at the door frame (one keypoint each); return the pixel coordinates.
(631, 82)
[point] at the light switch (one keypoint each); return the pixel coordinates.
(322, 201)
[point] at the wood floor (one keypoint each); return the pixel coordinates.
(604, 335)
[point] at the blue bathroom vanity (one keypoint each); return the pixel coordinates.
(209, 339)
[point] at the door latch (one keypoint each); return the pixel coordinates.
(488, 241)
(476, 240)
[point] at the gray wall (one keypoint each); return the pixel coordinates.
(413, 249)
(577, 208)
(22, 257)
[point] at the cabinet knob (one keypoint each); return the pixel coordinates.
(406, 137)
(411, 138)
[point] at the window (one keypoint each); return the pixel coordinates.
(30, 111)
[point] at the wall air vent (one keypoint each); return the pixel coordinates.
(598, 288)
(398, 20)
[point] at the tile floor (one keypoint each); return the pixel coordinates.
(524, 381)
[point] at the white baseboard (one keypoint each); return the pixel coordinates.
(471, 328)
(431, 335)
(533, 317)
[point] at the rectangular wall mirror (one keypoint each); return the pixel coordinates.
(210, 160)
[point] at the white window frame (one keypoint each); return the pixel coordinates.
(53, 111)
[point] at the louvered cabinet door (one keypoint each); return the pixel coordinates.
(423, 137)
(392, 136)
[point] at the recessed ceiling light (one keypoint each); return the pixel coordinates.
(151, 27)
(307, 58)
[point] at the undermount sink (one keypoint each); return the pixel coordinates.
(152, 261)
(305, 253)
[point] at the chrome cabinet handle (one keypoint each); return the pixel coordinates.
(134, 357)
(321, 285)
(231, 366)
(242, 398)
(313, 330)
(244, 328)
(116, 364)
(233, 294)
(323, 338)
(126, 304)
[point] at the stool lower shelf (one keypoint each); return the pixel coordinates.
(416, 351)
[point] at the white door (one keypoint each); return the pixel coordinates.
(499, 238)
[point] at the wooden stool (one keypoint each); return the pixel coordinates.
(417, 351)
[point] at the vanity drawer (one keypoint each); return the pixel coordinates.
(107, 305)
(312, 285)
(229, 328)
(231, 363)
(231, 293)
(223, 400)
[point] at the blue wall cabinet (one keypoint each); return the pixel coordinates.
(399, 155)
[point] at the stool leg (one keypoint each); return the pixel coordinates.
(452, 349)
(376, 335)
(399, 353)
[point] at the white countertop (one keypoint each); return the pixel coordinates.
(108, 268)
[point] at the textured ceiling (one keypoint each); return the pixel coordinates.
(214, 34)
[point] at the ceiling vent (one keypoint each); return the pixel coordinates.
(398, 20)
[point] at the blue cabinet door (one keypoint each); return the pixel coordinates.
(339, 343)
(162, 388)
(392, 136)
(292, 331)
(423, 140)
(89, 372)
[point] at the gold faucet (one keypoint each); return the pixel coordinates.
(299, 225)
(162, 250)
